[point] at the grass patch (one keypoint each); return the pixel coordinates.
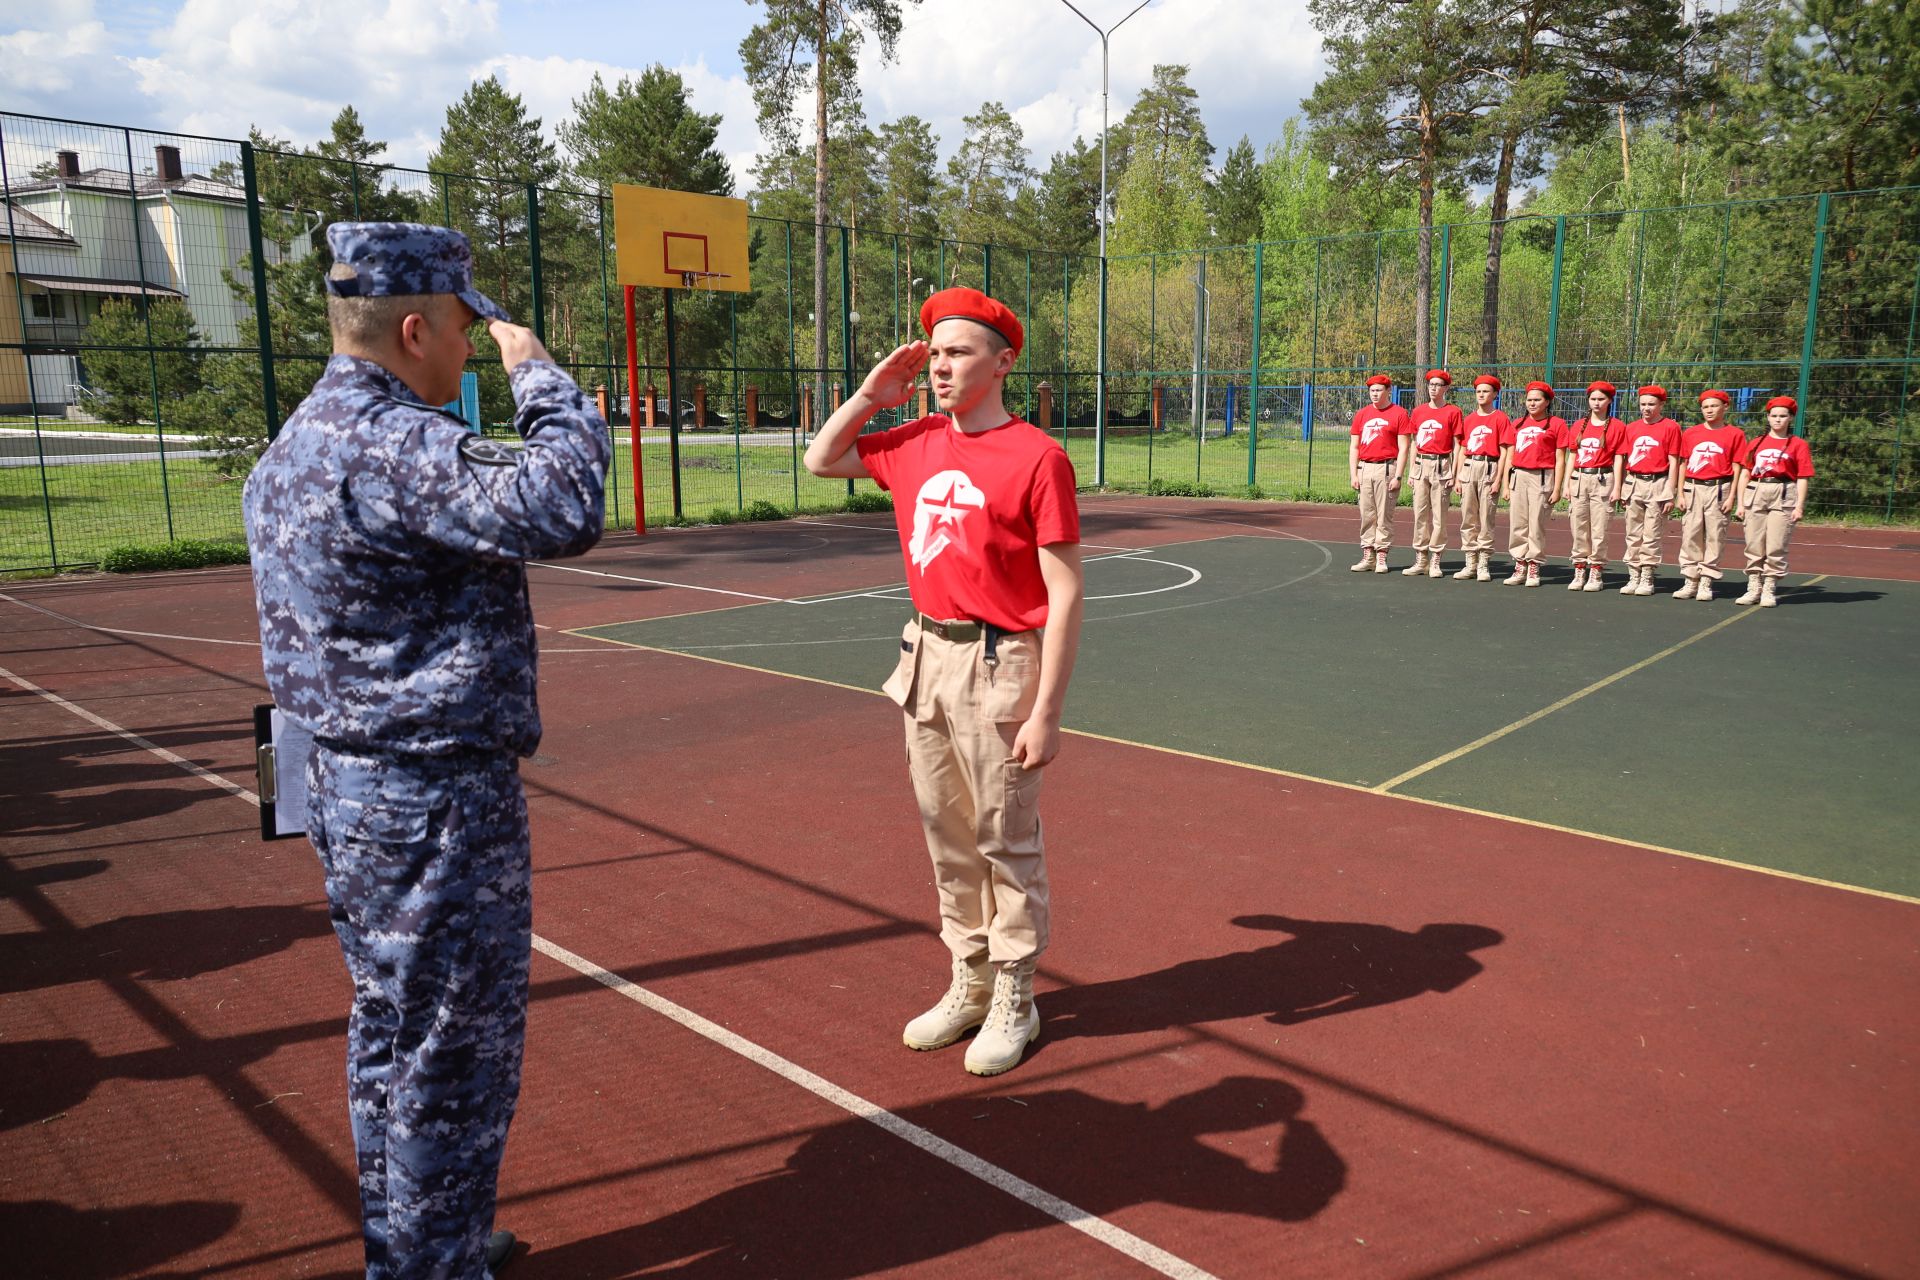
(187, 553)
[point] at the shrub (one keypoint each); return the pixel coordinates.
(186, 553)
(761, 509)
(869, 500)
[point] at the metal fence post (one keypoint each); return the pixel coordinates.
(146, 315)
(1813, 310)
(26, 359)
(1313, 367)
(262, 318)
(533, 252)
(1633, 306)
(1253, 387)
(793, 376)
(1719, 296)
(846, 328)
(1446, 288)
(1553, 297)
(1906, 383)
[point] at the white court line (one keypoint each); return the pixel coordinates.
(658, 582)
(122, 631)
(1090, 1224)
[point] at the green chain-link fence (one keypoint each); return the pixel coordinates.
(161, 311)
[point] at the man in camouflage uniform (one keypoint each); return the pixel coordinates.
(389, 546)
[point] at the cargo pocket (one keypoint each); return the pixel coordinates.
(899, 685)
(1008, 689)
(1020, 811)
(386, 841)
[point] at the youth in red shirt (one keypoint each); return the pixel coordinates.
(1379, 429)
(989, 529)
(1532, 472)
(1594, 485)
(1708, 454)
(1436, 440)
(1478, 479)
(1376, 461)
(1772, 484)
(1653, 477)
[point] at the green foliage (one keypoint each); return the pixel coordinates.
(869, 500)
(761, 509)
(1233, 203)
(186, 553)
(157, 364)
(1161, 203)
(987, 172)
(1180, 488)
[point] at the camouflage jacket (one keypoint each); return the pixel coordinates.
(389, 547)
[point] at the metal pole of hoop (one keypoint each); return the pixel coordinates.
(633, 420)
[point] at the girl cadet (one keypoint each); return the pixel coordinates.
(1436, 461)
(1711, 451)
(1533, 465)
(1772, 489)
(1653, 468)
(1478, 477)
(1599, 461)
(1376, 459)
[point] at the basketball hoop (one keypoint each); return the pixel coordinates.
(698, 279)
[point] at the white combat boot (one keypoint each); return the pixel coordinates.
(1533, 573)
(1705, 590)
(1466, 570)
(960, 1010)
(1767, 600)
(1518, 576)
(1646, 583)
(1481, 573)
(1632, 583)
(1013, 1022)
(1687, 589)
(1752, 595)
(1433, 565)
(1366, 561)
(1594, 575)
(1579, 582)
(1418, 568)
(1380, 560)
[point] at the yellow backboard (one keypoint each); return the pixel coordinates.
(678, 240)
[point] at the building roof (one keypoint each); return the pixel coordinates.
(27, 226)
(117, 182)
(88, 284)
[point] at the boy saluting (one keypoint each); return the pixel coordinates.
(991, 538)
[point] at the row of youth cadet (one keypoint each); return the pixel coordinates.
(1712, 473)
(389, 547)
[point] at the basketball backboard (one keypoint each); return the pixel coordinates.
(678, 240)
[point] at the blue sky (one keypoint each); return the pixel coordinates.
(217, 66)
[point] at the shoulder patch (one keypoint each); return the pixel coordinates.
(488, 453)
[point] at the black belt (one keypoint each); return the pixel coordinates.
(1538, 471)
(1593, 471)
(1718, 480)
(1647, 475)
(1491, 460)
(1775, 479)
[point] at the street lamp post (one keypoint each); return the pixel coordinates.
(1100, 384)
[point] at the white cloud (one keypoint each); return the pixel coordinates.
(1250, 63)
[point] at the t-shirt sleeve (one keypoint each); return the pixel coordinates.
(1405, 425)
(879, 451)
(1563, 437)
(1056, 505)
(1802, 458)
(1355, 429)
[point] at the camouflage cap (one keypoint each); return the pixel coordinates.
(387, 259)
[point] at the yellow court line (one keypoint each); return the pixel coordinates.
(1567, 701)
(1343, 786)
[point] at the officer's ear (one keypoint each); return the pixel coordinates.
(412, 334)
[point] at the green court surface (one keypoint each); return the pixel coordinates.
(1778, 738)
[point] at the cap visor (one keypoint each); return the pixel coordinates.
(484, 307)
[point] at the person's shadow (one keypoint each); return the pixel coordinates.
(1327, 967)
(854, 1200)
(163, 946)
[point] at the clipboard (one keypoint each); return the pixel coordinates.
(280, 749)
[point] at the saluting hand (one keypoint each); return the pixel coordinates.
(891, 381)
(517, 344)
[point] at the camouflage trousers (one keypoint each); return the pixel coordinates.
(428, 874)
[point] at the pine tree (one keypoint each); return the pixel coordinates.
(1233, 202)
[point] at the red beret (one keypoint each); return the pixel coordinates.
(1541, 386)
(1721, 396)
(1602, 385)
(1654, 389)
(971, 304)
(1784, 402)
(1487, 380)
(1379, 380)
(1441, 374)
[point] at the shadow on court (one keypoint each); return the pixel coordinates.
(1820, 595)
(1327, 967)
(163, 946)
(48, 1238)
(854, 1200)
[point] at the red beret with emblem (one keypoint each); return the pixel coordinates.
(1721, 396)
(1654, 389)
(1487, 380)
(1601, 385)
(1379, 380)
(1441, 374)
(971, 304)
(1784, 402)
(1541, 387)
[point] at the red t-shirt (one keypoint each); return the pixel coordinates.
(1436, 430)
(983, 505)
(1483, 433)
(1537, 441)
(1379, 432)
(1771, 457)
(1598, 446)
(1711, 451)
(1652, 446)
